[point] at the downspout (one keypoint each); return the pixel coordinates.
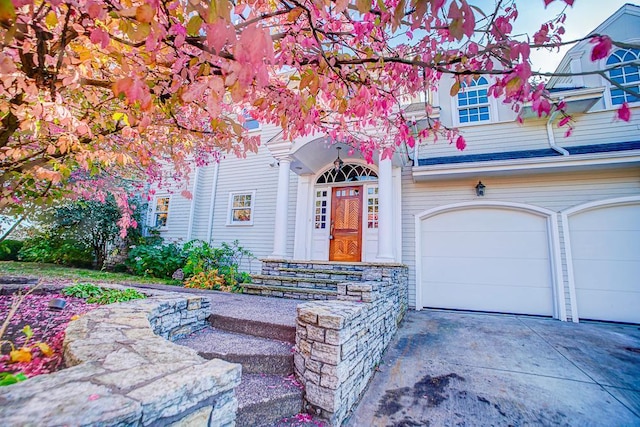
(551, 137)
(193, 204)
(214, 190)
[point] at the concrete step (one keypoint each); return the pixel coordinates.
(257, 355)
(289, 291)
(265, 400)
(256, 328)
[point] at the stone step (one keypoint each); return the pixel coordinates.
(257, 355)
(265, 400)
(320, 273)
(274, 331)
(289, 291)
(299, 282)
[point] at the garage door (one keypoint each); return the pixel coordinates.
(605, 249)
(486, 259)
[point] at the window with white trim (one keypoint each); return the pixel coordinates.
(321, 209)
(473, 101)
(241, 208)
(626, 74)
(161, 212)
(372, 207)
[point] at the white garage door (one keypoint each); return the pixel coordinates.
(605, 248)
(486, 259)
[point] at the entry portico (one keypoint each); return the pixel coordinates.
(347, 214)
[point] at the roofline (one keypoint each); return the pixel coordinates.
(527, 166)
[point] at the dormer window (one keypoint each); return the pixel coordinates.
(473, 102)
(626, 74)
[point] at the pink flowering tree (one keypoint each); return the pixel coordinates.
(117, 88)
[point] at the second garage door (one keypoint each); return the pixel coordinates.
(487, 259)
(605, 246)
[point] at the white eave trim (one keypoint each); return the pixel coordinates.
(527, 166)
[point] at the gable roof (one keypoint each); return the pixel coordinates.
(565, 64)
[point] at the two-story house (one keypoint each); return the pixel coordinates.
(525, 220)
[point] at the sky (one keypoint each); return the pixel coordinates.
(582, 18)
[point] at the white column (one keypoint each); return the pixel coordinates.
(282, 204)
(385, 211)
(301, 247)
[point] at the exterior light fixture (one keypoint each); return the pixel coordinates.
(57, 304)
(337, 163)
(480, 189)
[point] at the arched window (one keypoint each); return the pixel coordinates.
(473, 102)
(347, 173)
(626, 74)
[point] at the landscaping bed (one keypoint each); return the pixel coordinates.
(35, 333)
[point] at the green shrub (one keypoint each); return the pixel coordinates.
(83, 290)
(98, 295)
(9, 250)
(112, 296)
(49, 248)
(155, 260)
(200, 256)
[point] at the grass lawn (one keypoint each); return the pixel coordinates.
(53, 271)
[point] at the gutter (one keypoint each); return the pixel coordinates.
(551, 137)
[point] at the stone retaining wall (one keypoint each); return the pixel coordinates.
(122, 371)
(340, 343)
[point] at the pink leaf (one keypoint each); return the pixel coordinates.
(461, 144)
(602, 47)
(93, 397)
(624, 113)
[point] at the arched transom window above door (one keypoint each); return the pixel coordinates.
(348, 173)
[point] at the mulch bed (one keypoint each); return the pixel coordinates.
(48, 327)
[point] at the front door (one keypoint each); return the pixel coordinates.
(346, 225)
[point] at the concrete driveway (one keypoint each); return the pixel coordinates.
(466, 369)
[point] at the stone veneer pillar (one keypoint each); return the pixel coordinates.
(282, 205)
(385, 211)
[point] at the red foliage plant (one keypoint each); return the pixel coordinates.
(47, 326)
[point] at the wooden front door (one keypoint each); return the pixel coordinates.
(346, 224)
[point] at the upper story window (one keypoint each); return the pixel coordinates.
(627, 75)
(161, 212)
(473, 102)
(241, 208)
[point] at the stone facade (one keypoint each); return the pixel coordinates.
(340, 343)
(122, 371)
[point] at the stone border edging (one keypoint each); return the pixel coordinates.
(122, 371)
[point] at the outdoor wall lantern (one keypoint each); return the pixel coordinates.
(337, 163)
(480, 189)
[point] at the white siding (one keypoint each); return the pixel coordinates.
(202, 197)
(591, 128)
(179, 210)
(253, 173)
(552, 191)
